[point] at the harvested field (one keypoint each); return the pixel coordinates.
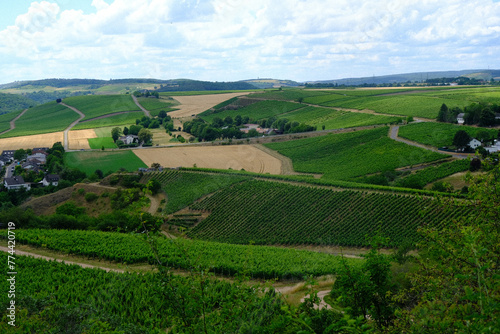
(41, 140)
(78, 139)
(239, 157)
(196, 104)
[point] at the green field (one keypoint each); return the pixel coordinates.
(98, 105)
(49, 117)
(183, 188)
(89, 162)
(348, 155)
(6, 118)
(98, 143)
(256, 111)
(438, 134)
(286, 94)
(336, 119)
(264, 212)
(125, 119)
(154, 105)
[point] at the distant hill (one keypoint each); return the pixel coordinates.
(413, 77)
(272, 83)
(13, 102)
(195, 85)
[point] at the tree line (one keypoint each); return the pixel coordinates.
(474, 114)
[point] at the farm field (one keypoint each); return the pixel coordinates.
(183, 188)
(256, 111)
(46, 118)
(336, 119)
(154, 105)
(439, 134)
(99, 105)
(225, 259)
(266, 212)
(123, 119)
(106, 161)
(24, 142)
(6, 118)
(344, 156)
(100, 142)
(79, 139)
(236, 157)
(196, 104)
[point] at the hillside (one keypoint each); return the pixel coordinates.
(14, 102)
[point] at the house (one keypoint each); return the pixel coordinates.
(9, 154)
(497, 117)
(129, 139)
(16, 182)
(248, 127)
(50, 179)
(493, 148)
(460, 118)
(4, 160)
(40, 150)
(474, 143)
(39, 157)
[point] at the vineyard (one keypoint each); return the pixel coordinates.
(106, 161)
(99, 105)
(344, 156)
(275, 213)
(183, 188)
(254, 261)
(433, 173)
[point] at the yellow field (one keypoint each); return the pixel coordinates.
(236, 157)
(196, 104)
(43, 140)
(78, 139)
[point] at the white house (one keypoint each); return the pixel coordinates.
(493, 148)
(474, 143)
(16, 182)
(50, 179)
(129, 139)
(460, 118)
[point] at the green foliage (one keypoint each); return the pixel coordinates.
(155, 106)
(114, 120)
(343, 156)
(70, 209)
(461, 139)
(183, 188)
(91, 197)
(97, 143)
(14, 102)
(6, 118)
(254, 261)
(438, 134)
(98, 105)
(88, 162)
(264, 212)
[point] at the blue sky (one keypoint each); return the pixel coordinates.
(225, 40)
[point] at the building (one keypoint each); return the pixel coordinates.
(129, 139)
(38, 157)
(16, 182)
(50, 179)
(493, 148)
(474, 143)
(460, 118)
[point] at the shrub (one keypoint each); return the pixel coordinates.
(90, 197)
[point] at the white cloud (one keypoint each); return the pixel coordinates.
(235, 39)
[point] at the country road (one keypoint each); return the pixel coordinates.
(82, 116)
(146, 112)
(13, 122)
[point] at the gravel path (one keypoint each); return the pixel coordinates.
(82, 116)
(146, 112)
(13, 122)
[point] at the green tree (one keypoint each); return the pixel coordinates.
(20, 154)
(443, 113)
(145, 136)
(461, 139)
(115, 133)
(125, 131)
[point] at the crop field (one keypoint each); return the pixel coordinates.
(434, 173)
(345, 156)
(88, 162)
(125, 119)
(79, 139)
(438, 134)
(235, 157)
(24, 142)
(155, 105)
(255, 261)
(275, 213)
(286, 94)
(99, 105)
(196, 104)
(6, 118)
(256, 111)
(336, 119)
(100, 142)
(183, 188)
(477, 94)
(46, 118)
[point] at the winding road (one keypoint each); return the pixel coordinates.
(146, 112)
(13, 122)
(82, 116)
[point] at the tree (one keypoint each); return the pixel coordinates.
(443, 113)
(461, 139)
(145, 136)
(162, 114)
(20, 154)
(115, 133)
(154, 186)
(125, 131)
(486, 117)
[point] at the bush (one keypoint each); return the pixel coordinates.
(90, 197)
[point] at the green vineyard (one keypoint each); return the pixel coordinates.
(274, 213)
(229, 260)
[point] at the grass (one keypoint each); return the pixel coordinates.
(347, 155)
(335, 119)
(256, 111)
(46, 118)
(89, 162)
(6, 118)
(98, 143)
(125, 119)
(155, 105)
(438, 134)
(98, 105)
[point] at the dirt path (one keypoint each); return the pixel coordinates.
(48, 258)
(322, 304)
(82, 116)
(13, 122)
(286, 162)
(146, 112)
(155, 204)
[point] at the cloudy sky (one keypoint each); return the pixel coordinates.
(226, 40)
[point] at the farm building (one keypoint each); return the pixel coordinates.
(129, 139)
(474, 143)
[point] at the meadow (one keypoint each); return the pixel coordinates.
(439, 134)
(348, 155)
(89, 162)
(100, 142)
(268, 213)
(46, 118)
(125, 119)
(98, 105)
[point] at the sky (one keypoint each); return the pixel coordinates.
(230, 40)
